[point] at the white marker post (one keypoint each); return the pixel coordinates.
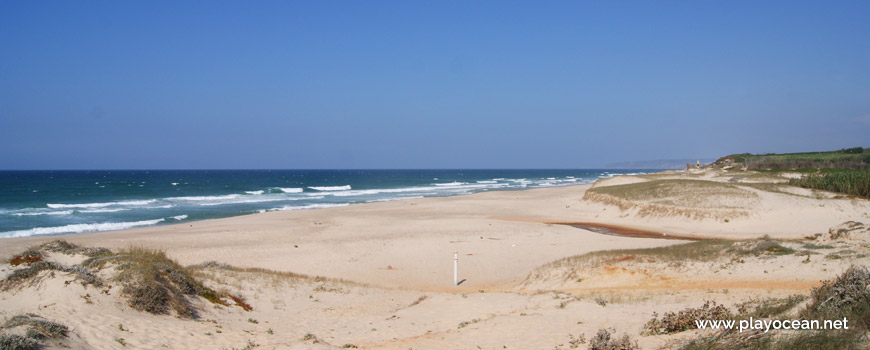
(455, 268)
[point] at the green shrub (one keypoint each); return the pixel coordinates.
(855, 182)
(853, 150)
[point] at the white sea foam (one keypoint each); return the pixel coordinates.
(391, 199)
(61, 212)
(290, 189)
(101, 205)
(106, 210)
(180, 217)
(79, 228)
(330, 188)
(254, 192)
(454, 183)
(438, 188)
(174, 184)
(244, 200)
(310, 206)
(203, 198)
(487, 182)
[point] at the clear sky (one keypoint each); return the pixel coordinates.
(434, 84)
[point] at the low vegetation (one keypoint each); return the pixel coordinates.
(853, 182)
(694, 199)
(154, 283)
(848, 158)
(674, 192)
(762, 246)
(847, 296)
(685, 319)
(38, 330)
(606, 339)
(151, 281)
(19, 276)
(706, 250)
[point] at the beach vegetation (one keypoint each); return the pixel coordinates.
(27, 257)
(763, 246)
(156, 284)
(769, 307)
(702, 251)
(17, 342)
(674, 192)
(684, 320)
(19, 276)
(38, 330)
(817, 246)
(695, 199)
(310, 337)
(606, 339)
(64, 247)
(846, 296)
(152, 282)
(847, 158)
(853, 182)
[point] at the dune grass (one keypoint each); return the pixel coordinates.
(157, 284)
(706, 250)
(853, 182)
(676, 192)
(848, 295)
(152, 282)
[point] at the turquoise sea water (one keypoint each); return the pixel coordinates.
(68, 202)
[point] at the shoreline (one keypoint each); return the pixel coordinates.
(380, 276)
(408, 243)
(338, 242)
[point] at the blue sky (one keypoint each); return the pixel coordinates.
(406, 84)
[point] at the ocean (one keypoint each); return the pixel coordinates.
(34, 203)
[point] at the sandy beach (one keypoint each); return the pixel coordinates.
(386, 269)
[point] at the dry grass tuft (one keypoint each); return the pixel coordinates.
(64, 247)
(606, 339)
(17, 277)
(846, 296)
(685, 319)
(156, 284)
